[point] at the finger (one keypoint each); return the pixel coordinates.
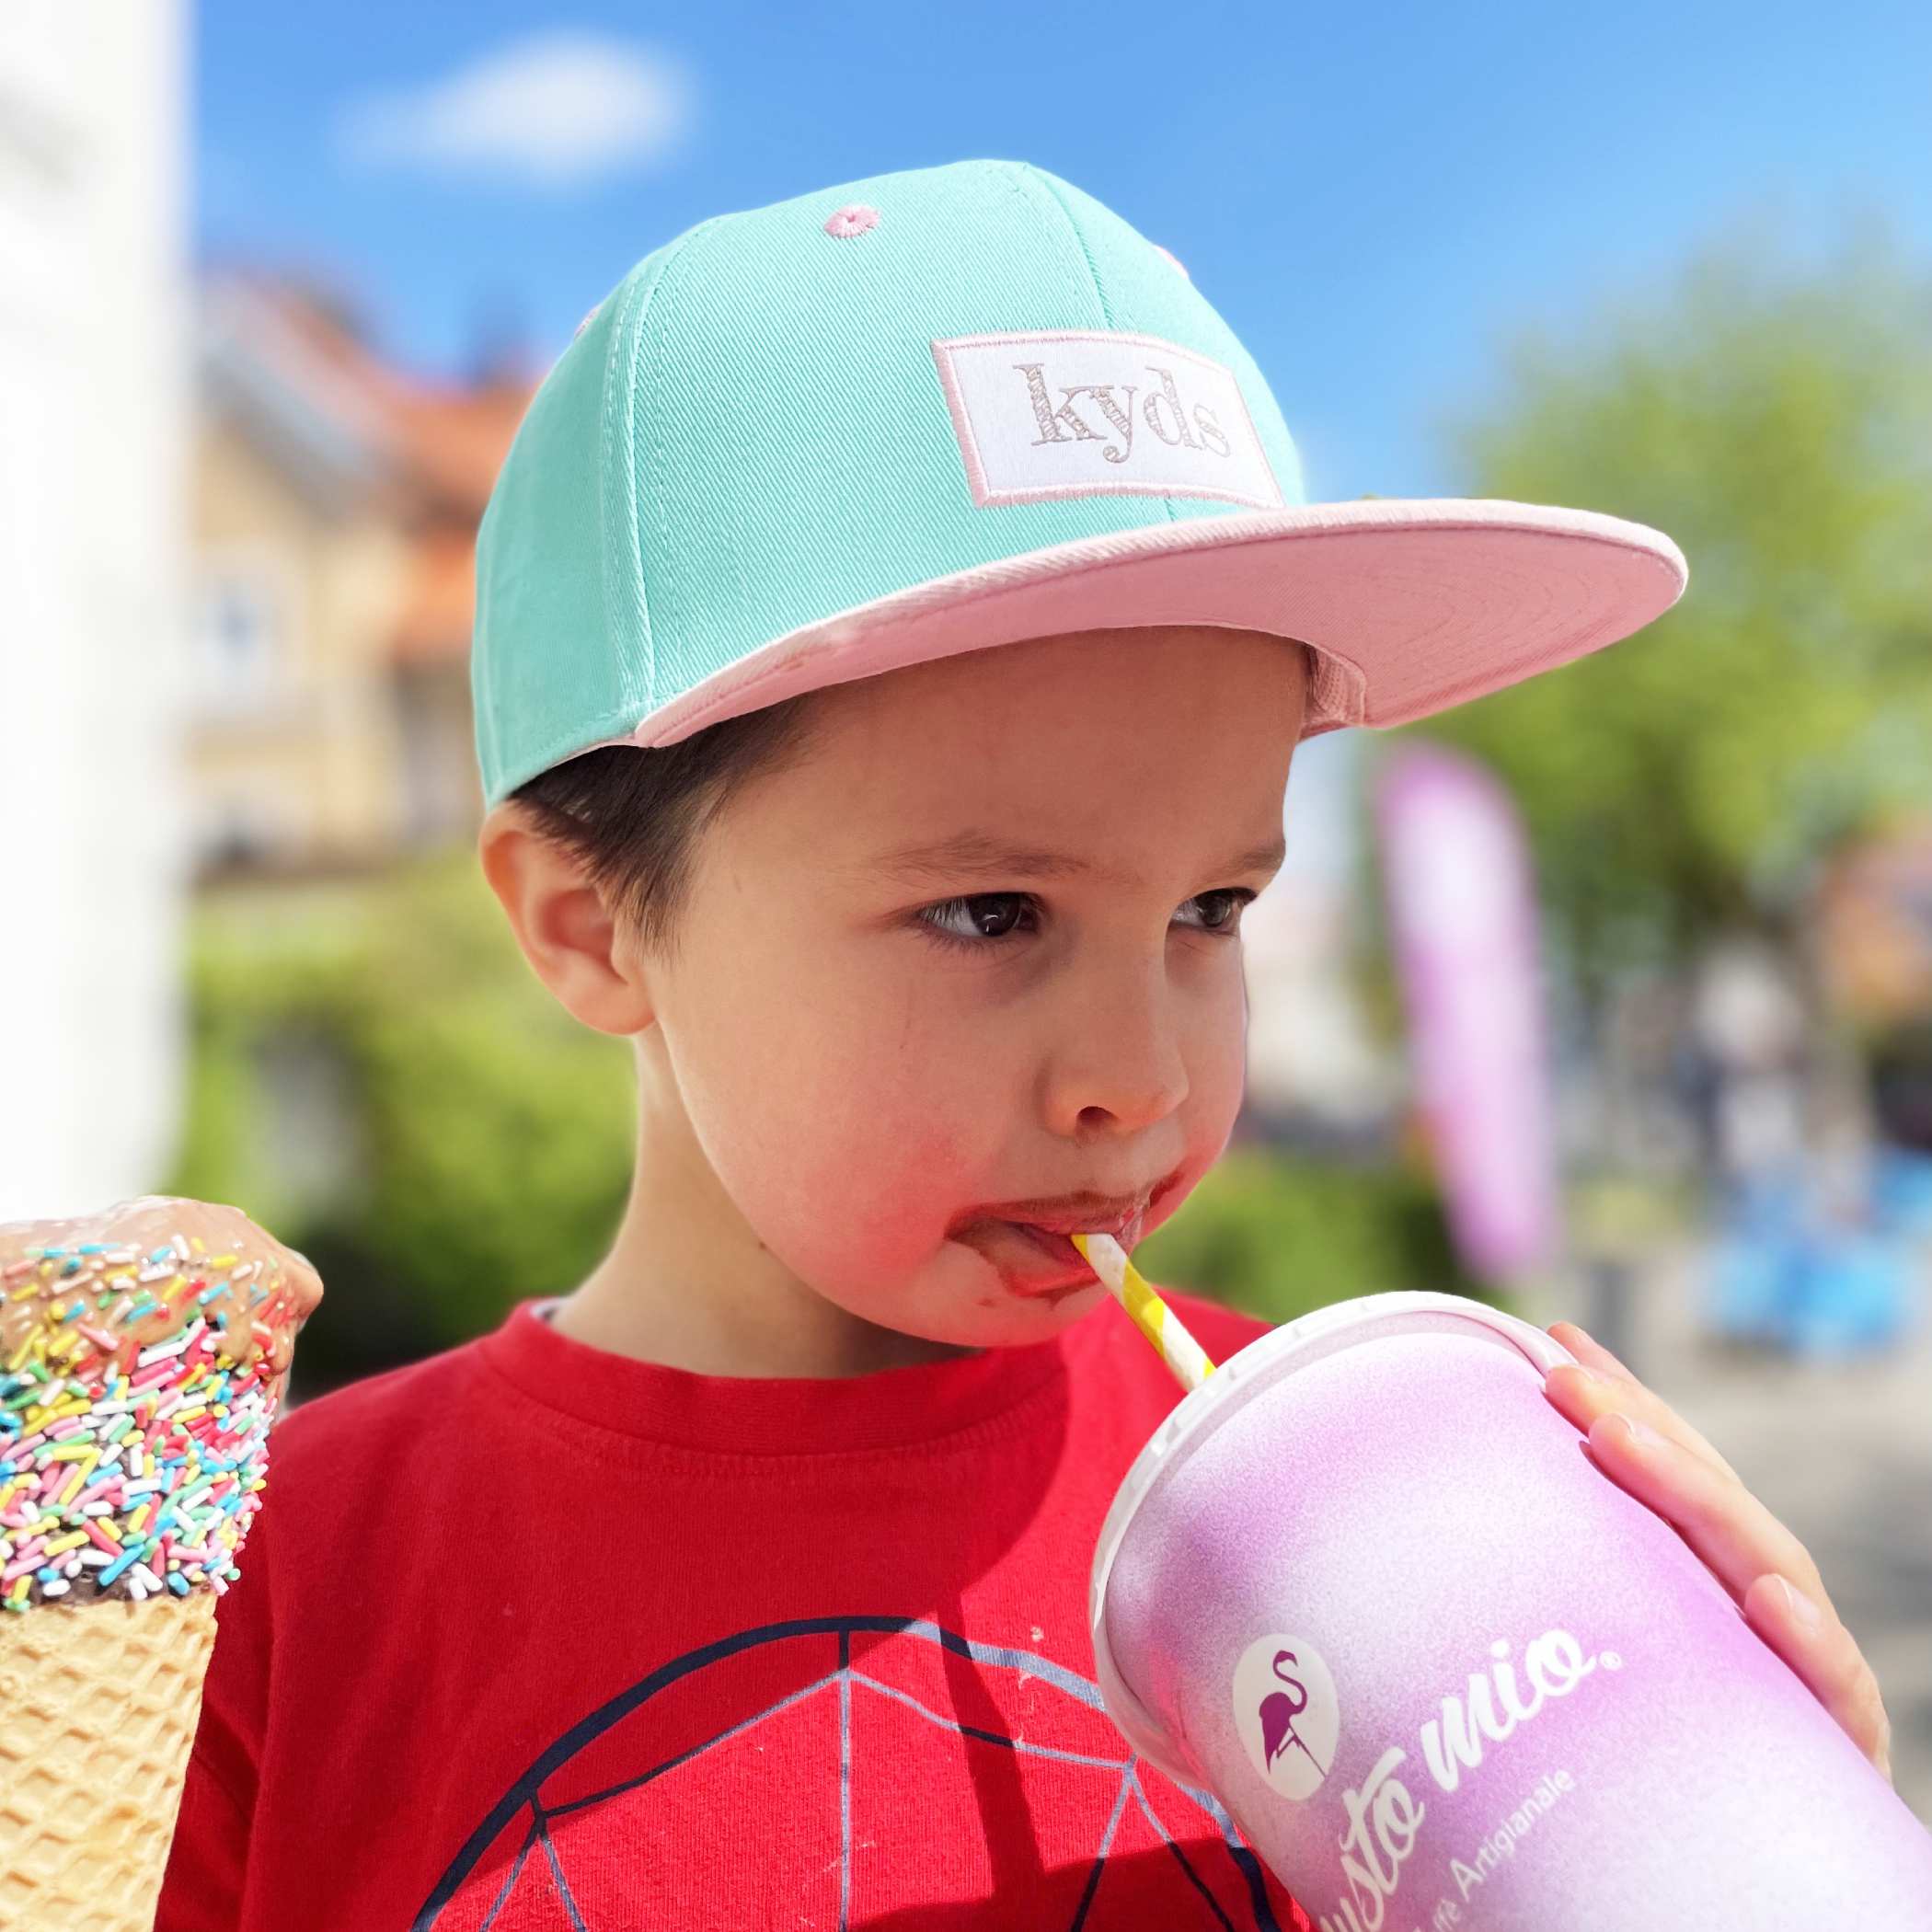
(1737, 1537)
(1584, 1394)
(1590, 1351)
(1826, 1656)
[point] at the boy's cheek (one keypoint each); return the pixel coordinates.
(865, 1202)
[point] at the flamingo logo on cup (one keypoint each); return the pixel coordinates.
(1287, 1714)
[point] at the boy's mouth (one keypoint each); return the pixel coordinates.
(1121, 1215)
(1051, 1242)
(1037, 1260)
(1042, 1260)
(1039, 1257)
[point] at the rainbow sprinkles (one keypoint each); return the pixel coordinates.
(133, 1432)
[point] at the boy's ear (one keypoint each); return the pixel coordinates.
(561, 922)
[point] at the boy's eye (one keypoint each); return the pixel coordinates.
(985, 919)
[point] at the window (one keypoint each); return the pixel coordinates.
(241, 637)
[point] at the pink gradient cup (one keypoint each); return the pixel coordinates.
(1366, 1587)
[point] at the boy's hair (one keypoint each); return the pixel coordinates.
(632, 817)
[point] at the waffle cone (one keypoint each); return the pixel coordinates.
(100, 1703)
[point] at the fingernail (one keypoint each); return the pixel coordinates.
(1806, 1611)
(1641, 1433)
(1591, 1378)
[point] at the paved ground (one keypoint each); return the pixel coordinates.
(1841, 1453)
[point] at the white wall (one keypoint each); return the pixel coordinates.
(93, 542)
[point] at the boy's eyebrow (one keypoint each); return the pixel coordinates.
(975, 855)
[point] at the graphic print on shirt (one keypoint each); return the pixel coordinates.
(812, 1766)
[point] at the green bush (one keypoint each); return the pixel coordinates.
(490, 1135)
(476, 1142)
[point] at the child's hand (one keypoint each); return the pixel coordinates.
(1664, 1463)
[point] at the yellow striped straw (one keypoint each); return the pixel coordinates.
(1151, 1315)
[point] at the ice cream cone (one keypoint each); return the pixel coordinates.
(144, 1356)
(102, 1704)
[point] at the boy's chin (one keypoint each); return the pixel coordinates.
(1000, 1317)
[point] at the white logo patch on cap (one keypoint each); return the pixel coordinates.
(1071, 413)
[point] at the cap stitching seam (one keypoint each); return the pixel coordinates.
(646, 382)
(623, 346)
(1031, 176)
(1093, 274)
(630, 325)
(489, 750)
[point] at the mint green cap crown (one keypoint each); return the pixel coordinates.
(750, 434)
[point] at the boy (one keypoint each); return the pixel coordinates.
(745, 1585)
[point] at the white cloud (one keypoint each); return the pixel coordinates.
(557, 108)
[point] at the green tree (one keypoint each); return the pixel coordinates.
(1776, 419)
(486, 1137)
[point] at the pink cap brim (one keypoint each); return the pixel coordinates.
(1410, 607)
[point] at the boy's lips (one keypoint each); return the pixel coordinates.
(1045, 1227)
(1083, 1212)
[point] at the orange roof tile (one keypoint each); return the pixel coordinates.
(446, 442)
(440, 602)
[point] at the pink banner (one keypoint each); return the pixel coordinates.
(1462, 913)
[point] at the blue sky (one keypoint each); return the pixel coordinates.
(1374, 198)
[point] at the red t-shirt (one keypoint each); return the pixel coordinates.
(536, 1638)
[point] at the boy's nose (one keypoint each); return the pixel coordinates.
(1117, 1057)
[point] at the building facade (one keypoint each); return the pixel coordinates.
(93, 417)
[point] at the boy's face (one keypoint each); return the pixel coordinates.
(854, 1070)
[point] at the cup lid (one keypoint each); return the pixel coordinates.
(1295, 1344)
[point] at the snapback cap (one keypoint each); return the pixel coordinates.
(951, 408)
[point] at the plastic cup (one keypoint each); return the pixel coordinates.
(1367, 1587)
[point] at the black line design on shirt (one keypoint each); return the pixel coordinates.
(844, 1679)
